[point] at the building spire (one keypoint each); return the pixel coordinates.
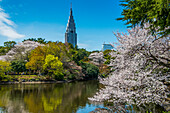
(71, 5)
(71, 12)
(71, 24)
(71, 35)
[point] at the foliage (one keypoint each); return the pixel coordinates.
(10, 44)
(95, 51)
(30, 56)
(71, 77)
(18, 66)
(65, 53)
(39, 40)
(107, 56)
(90, 70)
(104, 70)
(2, 50)
(54, 67)
(137, 78)
(4, 68)
(154, 12)
(21, 51)
(106, 52)
(80, 54)
(7, 46)
(39, 54)
(36, 59)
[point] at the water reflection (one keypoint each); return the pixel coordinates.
(46, 98)
(59, 98)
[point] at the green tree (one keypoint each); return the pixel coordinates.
(2, 50)
(9, 44)
(54, 67)
(30, 39)
(107, 56)
(18, 66)
(154, 12)
(4, 68)
(38, 55)
(39, 40)
(36, 59)
(80, 54)
(65, 53)
(90, 70)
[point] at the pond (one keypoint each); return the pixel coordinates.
(48, 98)
(57, 98)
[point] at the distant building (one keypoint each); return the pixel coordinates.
(71, 35)
(107, 46)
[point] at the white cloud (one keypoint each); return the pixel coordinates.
(81, 45)
(7, 26)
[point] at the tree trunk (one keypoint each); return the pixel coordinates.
(39, 73)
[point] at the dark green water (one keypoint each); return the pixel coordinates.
(58, 98)
(47, 98)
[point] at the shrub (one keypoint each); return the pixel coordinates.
(90, 70)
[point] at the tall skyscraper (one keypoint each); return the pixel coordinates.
(71, 35)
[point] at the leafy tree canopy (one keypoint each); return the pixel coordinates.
(54, 67)
(18, 66)
(36, 59)
(154, 12)
(9, 44)
(4, 67)
(39, 54)
(80, 54)
(90, 70)
(39, 40)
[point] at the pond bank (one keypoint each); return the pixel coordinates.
(43, 82)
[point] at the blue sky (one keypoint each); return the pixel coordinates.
(95, 20)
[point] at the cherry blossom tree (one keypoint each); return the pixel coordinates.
(21, 51)
(97, 58)
(141, 65)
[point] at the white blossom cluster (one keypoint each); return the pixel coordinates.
(140, 67)
(21, 51)
(97, 58)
